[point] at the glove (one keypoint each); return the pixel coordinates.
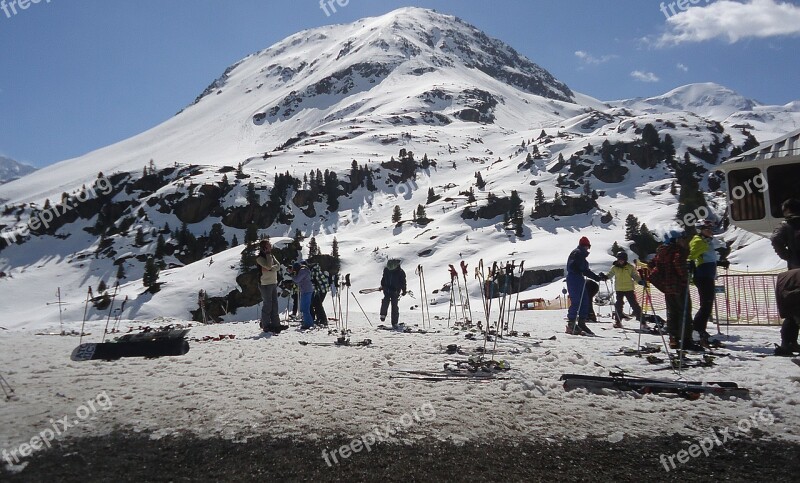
(603, 277)
(724, 263)
(641, 282)
(403, 293)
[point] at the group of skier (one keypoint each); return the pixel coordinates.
(309, 281)
(678, 262)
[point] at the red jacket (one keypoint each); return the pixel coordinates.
(670, 267)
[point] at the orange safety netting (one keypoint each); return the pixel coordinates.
(746, 298)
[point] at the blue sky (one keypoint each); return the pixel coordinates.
(77, 75)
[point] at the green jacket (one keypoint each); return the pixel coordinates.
(624, 277)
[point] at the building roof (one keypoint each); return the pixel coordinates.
(782, 147)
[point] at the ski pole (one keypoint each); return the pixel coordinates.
(347, 304)
(683, 322)
(453, 285)
(466, 289)
(519, 289)
(425, 297)
(362, 309)
(119, 315)
(85, 311)
(110, 308)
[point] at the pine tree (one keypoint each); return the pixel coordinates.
(120, 272)
(150, 278)
(216, 238)
(251, 196)
(471, 196)
(335, 254)
(421, 215)
(396, 214)
(615, 249)
(313, 248)
(431, 196)
(138, 240)
(631, 227)
(161, 246)
(101, 287)
(479, 182)
(539, 197)
(251, 234)
(234, 241)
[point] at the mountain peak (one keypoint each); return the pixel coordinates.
(11, 169)
(705, 99)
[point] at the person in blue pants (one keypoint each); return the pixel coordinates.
(580, 302)
(301, 276)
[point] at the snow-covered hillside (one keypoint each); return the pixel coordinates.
(11, 170)
(369, 93)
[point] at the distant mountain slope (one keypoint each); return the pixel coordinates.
(11, 170)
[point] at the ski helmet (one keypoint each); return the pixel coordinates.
(673, 235)
(623, 255)
(584, 242)
(703, 224)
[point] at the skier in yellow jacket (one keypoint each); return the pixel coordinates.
(624, 275)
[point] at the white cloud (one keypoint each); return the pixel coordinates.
(644, 76)
(588, 58)
(682, 67)
(732, 21)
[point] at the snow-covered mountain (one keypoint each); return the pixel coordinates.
(11, 169)
(413, 109)
(722, 104)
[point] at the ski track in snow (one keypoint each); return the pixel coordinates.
(255, 385)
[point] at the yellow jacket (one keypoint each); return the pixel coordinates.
(624, 277)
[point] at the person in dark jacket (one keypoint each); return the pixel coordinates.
(669, 273)
(577, 271)
(704, 259)
(321, 284)
(786, 242)
(393, 284)
(786, 238)
(301, 276)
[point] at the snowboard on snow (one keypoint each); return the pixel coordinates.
(690, 390)
(158, 343)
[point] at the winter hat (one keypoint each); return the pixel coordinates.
(673, 235)
(584, 242)
(296, 266)
(622, 256)
(393, 263)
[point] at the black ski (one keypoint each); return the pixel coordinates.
(796, 361)
(690, 390)
(155, 343)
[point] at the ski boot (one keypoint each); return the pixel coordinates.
(573, 328)
(585, 328)
(618, 324)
